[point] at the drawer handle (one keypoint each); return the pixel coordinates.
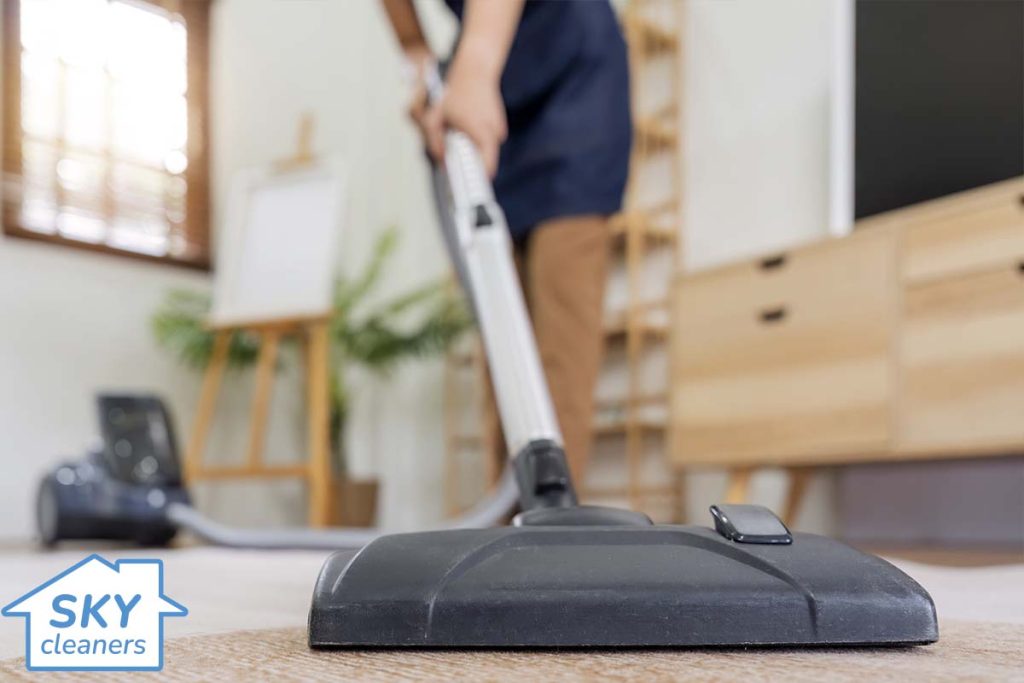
(1020, 267)
(773, 262)
(772, 316)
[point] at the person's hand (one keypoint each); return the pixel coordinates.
(472, 104)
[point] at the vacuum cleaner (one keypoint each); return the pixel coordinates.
(563, 574)
(571, 575)
(119, 491)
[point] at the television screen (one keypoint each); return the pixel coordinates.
(939, 98)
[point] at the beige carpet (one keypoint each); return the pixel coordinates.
(966, 651)
(229, 593)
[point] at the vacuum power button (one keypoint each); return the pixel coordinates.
(750, 524)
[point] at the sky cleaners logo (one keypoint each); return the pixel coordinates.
(97, 615)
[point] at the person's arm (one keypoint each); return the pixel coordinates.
(408, 30)
(472, 101)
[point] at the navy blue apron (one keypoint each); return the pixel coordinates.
(566, 93)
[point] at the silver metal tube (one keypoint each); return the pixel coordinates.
(482, 247)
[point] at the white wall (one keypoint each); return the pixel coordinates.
(757, 118)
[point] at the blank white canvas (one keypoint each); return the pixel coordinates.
(278, 258)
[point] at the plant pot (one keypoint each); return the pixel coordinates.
(355, 502)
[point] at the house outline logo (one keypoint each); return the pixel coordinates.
(112, 594)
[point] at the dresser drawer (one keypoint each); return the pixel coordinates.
(798, 367)
(979, 231)
(962, 354)
(746, 289)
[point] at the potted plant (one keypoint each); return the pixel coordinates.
(377, 335)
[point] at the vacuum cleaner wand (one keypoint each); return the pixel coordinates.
(478, 241)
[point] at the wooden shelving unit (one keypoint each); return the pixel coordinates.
(649, 223)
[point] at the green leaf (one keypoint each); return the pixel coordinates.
(179, 326)
(349, 294)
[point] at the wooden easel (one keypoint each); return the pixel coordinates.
(313, 335)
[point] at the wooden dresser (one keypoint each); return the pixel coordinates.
(903, 340)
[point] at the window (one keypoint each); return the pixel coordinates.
(105, 118)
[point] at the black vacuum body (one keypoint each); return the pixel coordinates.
(119, 491)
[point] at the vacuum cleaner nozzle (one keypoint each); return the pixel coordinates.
(630, 585)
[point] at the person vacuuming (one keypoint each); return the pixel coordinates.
(542, 89)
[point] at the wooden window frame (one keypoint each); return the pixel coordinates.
(196, 14)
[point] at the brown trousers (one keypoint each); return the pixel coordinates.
(563, 268)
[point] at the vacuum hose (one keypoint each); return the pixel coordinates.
(487, 512)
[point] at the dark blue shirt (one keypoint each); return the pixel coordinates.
(566, 93)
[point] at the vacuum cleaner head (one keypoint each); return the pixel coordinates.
(626, 585)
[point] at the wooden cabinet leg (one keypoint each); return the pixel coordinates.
(678, 479)
(207, 404)
(320, 476)
(739, 485)
(799, 479)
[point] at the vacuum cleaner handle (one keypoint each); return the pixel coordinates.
(478, 241)
(483, 241)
